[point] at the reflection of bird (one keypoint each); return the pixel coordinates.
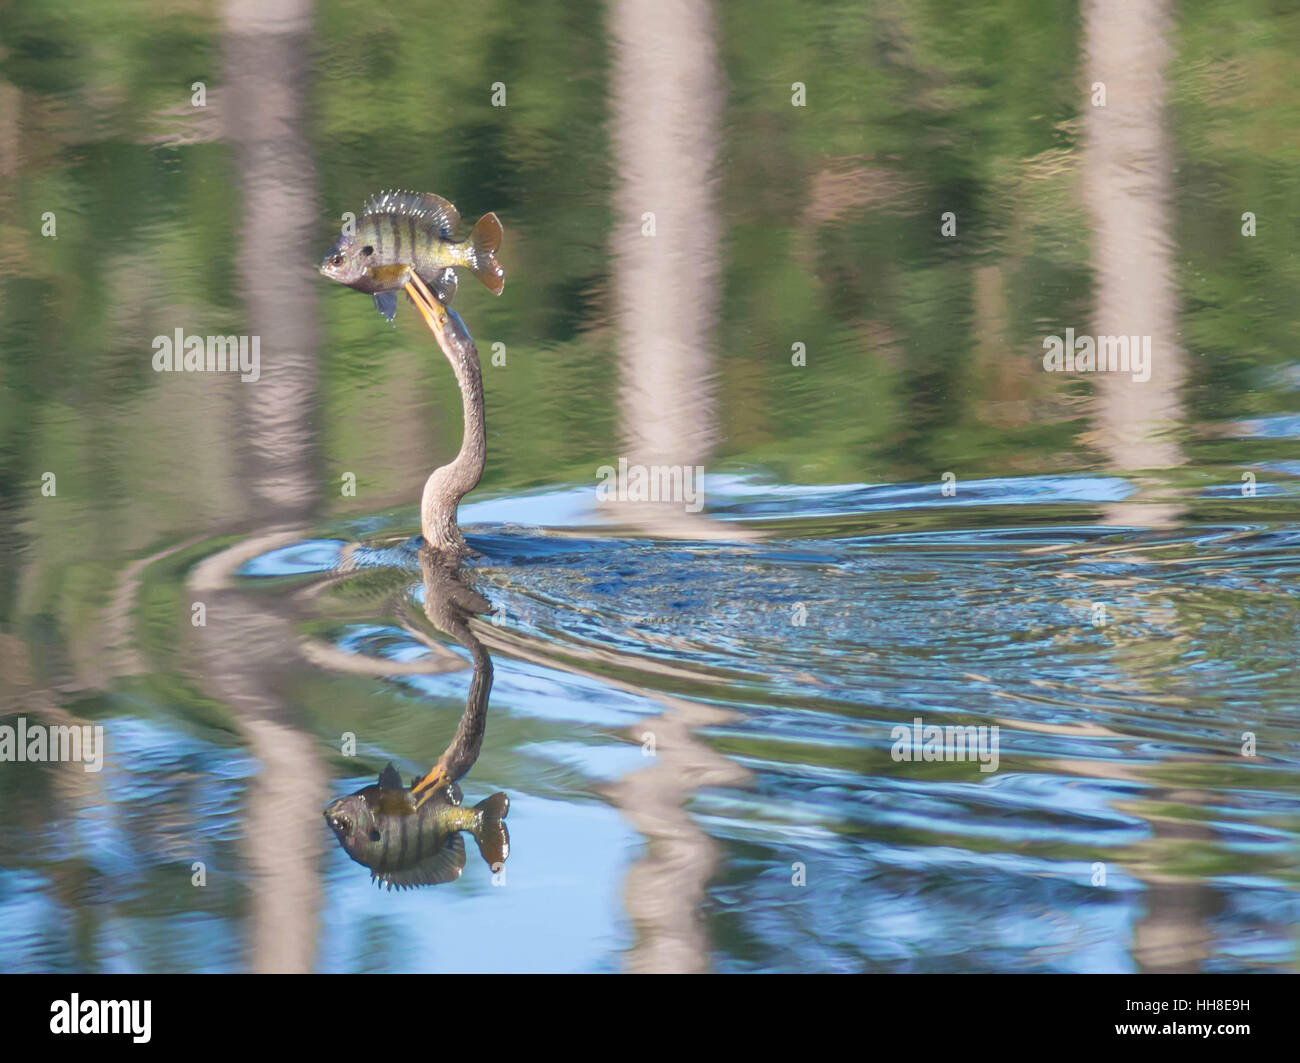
(447, 485)
(410, 837)
(448, 603)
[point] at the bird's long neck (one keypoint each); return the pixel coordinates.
(447, 485)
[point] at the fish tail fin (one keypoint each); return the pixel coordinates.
(481, 253)
(491, 834)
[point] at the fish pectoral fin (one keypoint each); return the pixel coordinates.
(395, 803)
(390, 277)
(445, 865)
(386, 304)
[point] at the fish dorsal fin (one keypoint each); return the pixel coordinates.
(424, 206)
(389, 779)
(443, 866)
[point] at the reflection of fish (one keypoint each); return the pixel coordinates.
(401, 232)
(404, 846)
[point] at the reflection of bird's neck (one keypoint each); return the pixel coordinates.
(463, 750)
(448, 485)
(449, 603)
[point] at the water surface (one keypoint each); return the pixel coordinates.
(905, 517)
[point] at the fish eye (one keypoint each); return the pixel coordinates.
(337, 260)
(367, 250)
(374, 835)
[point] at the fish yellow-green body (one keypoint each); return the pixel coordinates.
(403, 232)
(405, 845)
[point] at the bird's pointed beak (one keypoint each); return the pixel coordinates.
(425, 788)
(433, 312)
